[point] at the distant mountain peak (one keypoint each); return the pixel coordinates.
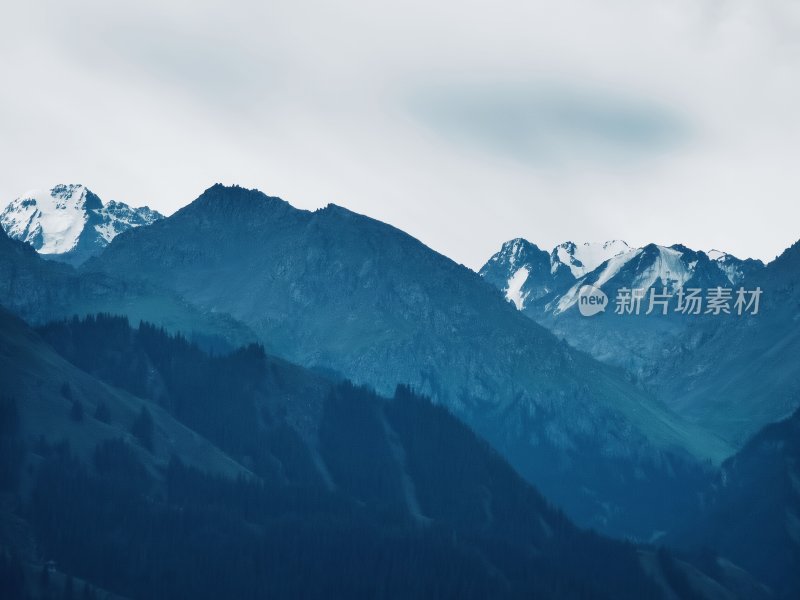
(735, 269)
(585, 258)
(517, 251)
(517, 270)
(69, 221)
(715, 254)
(336, 209)
(221, 190)
(236, 201)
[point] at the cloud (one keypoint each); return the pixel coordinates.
(465, 123)
(547, 125)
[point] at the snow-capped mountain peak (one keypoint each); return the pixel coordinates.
(714, 254)
(515, 252)
(585, 258)
(50, 220)
(521, 270)
(119, 217)
(667, 267)
(548, 283)
(735, 269)
(69, 222)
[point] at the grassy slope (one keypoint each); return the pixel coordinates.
(33, 374)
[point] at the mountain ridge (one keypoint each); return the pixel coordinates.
(334, 289)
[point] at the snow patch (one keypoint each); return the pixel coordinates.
(585, 258)
(667, 270)
(514, 287)
(50, 220)
(614, 265)
(609, 271)
(568, 299)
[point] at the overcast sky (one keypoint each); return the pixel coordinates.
(464, 123)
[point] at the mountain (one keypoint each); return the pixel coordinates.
(336, 290)
(633, 341)
(40, 290)
(735, 393)
(684, 360)
(69, 222)
(525, 273)
(529, 276)
(548, 283)
(257, 478)
(751, 513)
(550, 295)
(736, 269)
(582, 259)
